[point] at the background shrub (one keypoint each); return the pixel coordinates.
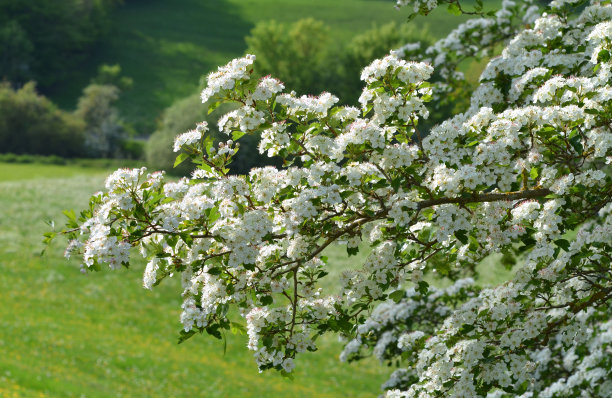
(298, 53)
(30, 123)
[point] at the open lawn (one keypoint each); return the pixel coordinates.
(166, 46)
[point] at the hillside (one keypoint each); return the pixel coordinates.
(167, 46)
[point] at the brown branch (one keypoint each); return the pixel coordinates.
(486, 197)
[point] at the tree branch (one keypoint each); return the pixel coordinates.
(486, 197)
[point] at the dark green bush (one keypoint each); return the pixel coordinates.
(30, 123)
(14, 158)
(133, 148)
(302, 56)
(178, 118)
(298, 54)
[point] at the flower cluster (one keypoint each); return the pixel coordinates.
(525, 171)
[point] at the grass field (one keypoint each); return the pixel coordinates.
(167, 46)
(66, 334)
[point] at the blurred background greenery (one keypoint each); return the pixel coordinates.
(91, 85)
(120, 78)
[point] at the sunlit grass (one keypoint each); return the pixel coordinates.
(63, 333)
(29, 171)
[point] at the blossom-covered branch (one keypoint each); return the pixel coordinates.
(525, 171)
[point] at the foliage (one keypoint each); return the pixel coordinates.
(26, 158)
(16, 55)
(304, 58)
(59, 32)
(524, 166)
(30, 123)
(298, 54)
(111, 75)
(133, 148)
(166, 48)
(76, 163)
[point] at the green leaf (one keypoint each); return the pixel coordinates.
(454, 9)
(563, 244)
(70, 214)
(236, 135)
(287, 375)
(423, 287)
(181, 158)
(184, 336)
(345, 325)
(577, 144)
(208, 143)
(237, 328)
(352, 250)
(214, 271)
(213, 330)
(266, 300)
(397, 295)
(466, 328)
(395, 184)
(461, 235)
(213, 106)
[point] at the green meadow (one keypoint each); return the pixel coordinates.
(68, 334)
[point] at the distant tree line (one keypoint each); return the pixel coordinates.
(31, 124)
(40, 42)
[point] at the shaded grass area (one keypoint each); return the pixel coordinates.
(167, 46)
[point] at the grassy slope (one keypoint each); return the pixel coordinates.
(166, 46)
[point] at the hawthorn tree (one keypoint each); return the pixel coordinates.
(525, 171)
